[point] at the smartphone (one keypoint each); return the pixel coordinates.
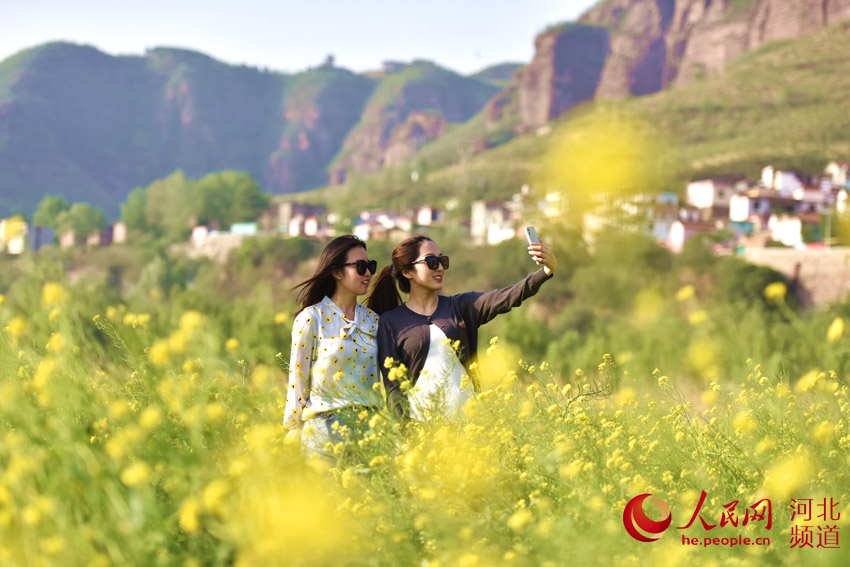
(531, 236)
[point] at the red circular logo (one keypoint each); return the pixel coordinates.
(638, 523)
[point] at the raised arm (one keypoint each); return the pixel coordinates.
(484, 306)
(304, 341)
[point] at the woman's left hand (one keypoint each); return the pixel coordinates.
(542, 254)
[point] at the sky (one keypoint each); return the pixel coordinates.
(290, 36)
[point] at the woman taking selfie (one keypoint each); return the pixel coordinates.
(333, 364)
(435, 336)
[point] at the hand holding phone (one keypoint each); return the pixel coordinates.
(541, 253)
(531, 236)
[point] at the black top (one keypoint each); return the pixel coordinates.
(405, 336)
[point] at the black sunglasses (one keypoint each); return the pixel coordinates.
(433, 262)
(363, 265)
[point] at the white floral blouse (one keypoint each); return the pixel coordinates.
(333, 363)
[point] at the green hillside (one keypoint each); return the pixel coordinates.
(89, 126)
(420, 86)
(499, 75)
(783, 104)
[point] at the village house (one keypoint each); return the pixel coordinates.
(13, 235)
(757, 204)
(67, 239)
(291, 219)
(712, 197)
(492, 222)
(382, 225)
(683, 230)
(656, 213)
(783, 181)
(427, 215)
(788, 229)
(837, 173)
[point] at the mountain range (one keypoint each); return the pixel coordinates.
(90, 126)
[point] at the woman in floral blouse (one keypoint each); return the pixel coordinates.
(333, 364)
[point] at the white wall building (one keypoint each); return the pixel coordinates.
(786, 229)
(783, 181)
(838, 173)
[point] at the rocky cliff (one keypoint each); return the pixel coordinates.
(636, 47)
(410, 106)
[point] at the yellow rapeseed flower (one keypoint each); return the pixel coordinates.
(775, 291)
(808, 381)
(685, 293)
(136, 474)
(697, 317)
(53, 293)
(188, 516)
(190, 321)
(213, 497)
(2, 299)
(823, 433)
(214, 411)
(16, 328)
(744, 423)
(159, 354)
(520, 519)
(647, 307)
(785, 478)
(56, 342)
(765, 445)
(177, 342)
(836, 329)
(150, 418)
(53, 545)
(281, 317)
(31, 515)
(45, 370)
(701, 357)
(232, 345)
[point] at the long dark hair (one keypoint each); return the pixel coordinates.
(384, 295)
(322, 283)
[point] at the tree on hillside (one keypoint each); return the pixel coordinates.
(216, 196)
(82, 218)
(133, 211)
(248, 200)
(48, 210)
(172, 205)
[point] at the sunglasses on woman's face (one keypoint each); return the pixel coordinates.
(433, 262)
(363, 265)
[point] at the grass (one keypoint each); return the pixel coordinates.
(144, 438)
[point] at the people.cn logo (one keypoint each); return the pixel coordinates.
(638, 523)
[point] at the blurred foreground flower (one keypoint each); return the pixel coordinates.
(685, 293)
(788, 476)
(53, 293)
(836, 329)
(775, 292)
(290, 519)
(600, 157)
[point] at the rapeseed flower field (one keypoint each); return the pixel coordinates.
(150, 439)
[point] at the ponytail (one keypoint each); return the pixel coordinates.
(385, 295)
